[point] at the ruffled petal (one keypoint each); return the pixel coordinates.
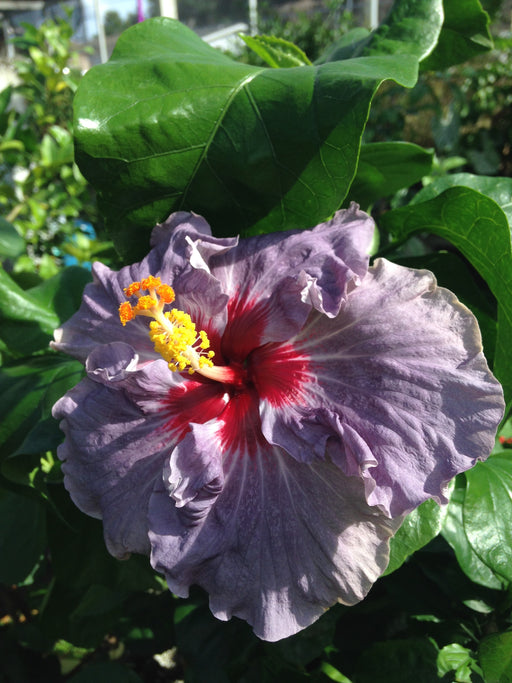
(197, 292)
(273, 541)
(402, 382)
(111, 461)
(274, 280)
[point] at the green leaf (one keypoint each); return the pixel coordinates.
(478, 227)
(185, 127)
(333, 674)
(29, 317)
(488, 512)
(418, 528)
(496, 657)
(454, 533)
(18, 306)
(276, 52)
(498, 189)
(459, 659)
(27, 392)
(411, 28)
(12, 243)
(22, 536)
(386, 167)
(464, 35)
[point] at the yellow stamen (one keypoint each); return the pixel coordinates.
(172, 332)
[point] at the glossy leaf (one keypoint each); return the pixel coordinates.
(418, 529)
(185, 127)
(411, 28)
(454, 533)
(498, 189)
(496, 657)
(29, 317)
(488, 512)
(464, 35)
(276, 52)
(477, 226)
(386, 167)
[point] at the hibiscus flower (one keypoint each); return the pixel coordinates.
(259, 414)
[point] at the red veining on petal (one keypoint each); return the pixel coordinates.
(245, 327)
(280, 373)
(241, 424)
(193, 401)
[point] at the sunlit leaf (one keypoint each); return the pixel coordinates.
(252, 149)
(488, 512)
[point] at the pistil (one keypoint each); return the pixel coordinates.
(173, 332)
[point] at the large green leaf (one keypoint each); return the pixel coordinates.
(28, 317)
(418, 528)
(386, 167)
(496, 657)
(464, 35)
(488, 512)
(27, 392)
(185, 127)
(454, 533)
(477, 226)
(411, 28)
(499, 189)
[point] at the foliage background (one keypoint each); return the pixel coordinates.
(432, 163)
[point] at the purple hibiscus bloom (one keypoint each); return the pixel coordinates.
(258, 415)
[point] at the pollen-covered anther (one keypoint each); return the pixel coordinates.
(173, 333)
(126, 312)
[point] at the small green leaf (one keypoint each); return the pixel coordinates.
(386, 167)
(496, 657)
(333, 674)
(488, 512)
(458, 659)
(418, 528)
(276, 52)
